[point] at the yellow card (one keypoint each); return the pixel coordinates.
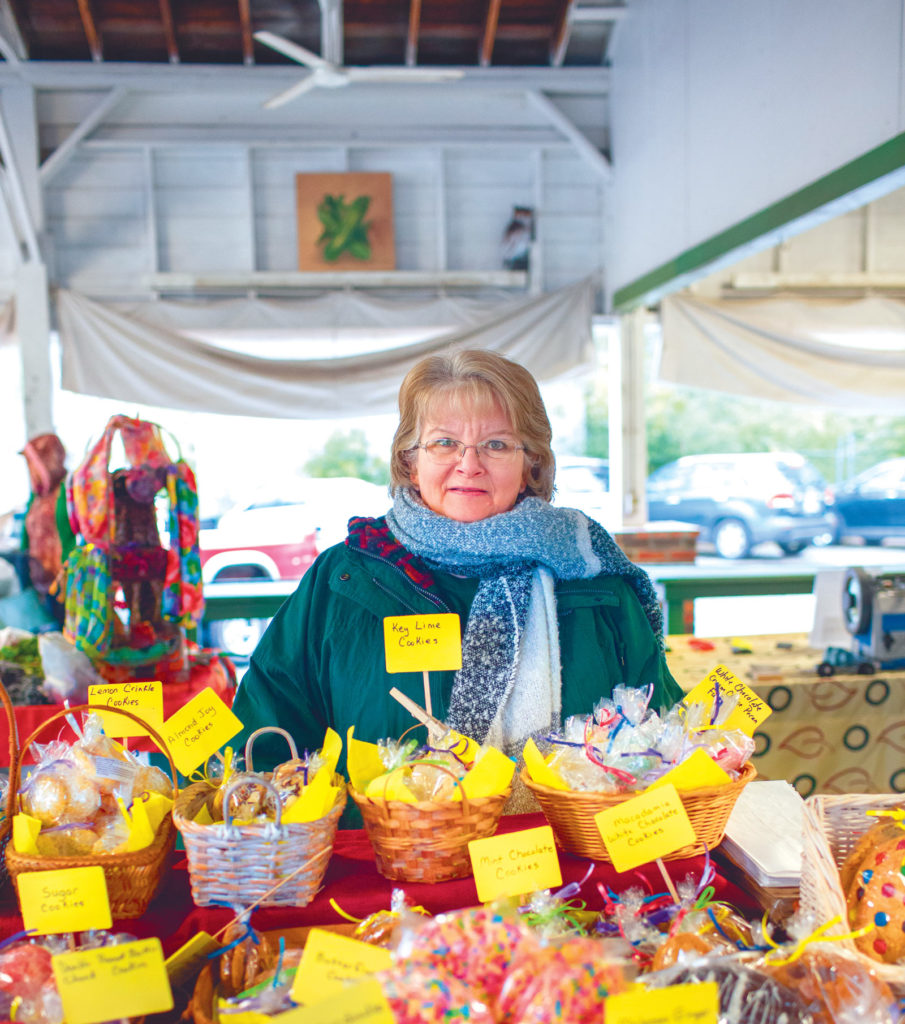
(198, 729)
(515, 863)
(538, 768)
(695, 772)
(68, 900)
(113, 982)
(696, 1003)
(330, 960)
(644, 828)
(363, 1003)
(187, 961)
(142, 699)
(751, 709)
(422, 643)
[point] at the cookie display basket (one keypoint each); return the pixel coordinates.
(427, 841)
(571, 814)
(833, 824)
(240, 864)
(132, 878)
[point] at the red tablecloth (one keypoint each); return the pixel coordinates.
(216, 673)
(353, 882)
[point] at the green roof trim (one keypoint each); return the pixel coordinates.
(863, 170)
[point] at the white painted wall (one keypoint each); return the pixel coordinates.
(721, 107)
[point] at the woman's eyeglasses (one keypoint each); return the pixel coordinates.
(446, 450)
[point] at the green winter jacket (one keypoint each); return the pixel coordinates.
(321, 661)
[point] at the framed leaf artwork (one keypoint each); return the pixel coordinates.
(345, 221)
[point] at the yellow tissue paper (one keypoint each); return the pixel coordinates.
(464, 748)
(203, 817)
(156, 807)
(490, 776)
(331, 750)
(539, 770)
(315, 799)
(141, 835)
(25, 833)
(391, 787)
(362, 761)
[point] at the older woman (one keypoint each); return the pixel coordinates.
(554, 615)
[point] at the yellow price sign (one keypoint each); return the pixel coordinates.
(142, 699)
(697, 1003)
(187, 961)
(67, 900)
(422, 643)
(330, 960)
(113, 982)
(751, 709)
(644, 828)
(199, 729)
(515, 863)
(363, 1003)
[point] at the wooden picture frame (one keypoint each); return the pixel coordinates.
(376, 222)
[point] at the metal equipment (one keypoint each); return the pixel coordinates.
(873, 609)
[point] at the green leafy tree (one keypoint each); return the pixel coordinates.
(348, 455)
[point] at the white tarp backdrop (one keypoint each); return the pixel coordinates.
(841, 353)
(183, 355)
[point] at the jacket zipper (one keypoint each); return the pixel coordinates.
(414, 586)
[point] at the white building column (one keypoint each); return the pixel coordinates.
(628, 434)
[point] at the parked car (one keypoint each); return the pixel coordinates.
(277, 537)
(740, 500)
(583, 482)
(871, 506)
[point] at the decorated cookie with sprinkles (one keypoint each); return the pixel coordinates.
(876, 898)
(883, 830)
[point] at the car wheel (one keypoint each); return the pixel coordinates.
(238, 637)
(793, 547)
(731, 538)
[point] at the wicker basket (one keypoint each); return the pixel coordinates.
(6, 824)
(241, 864)
(132, 878)
(571, 814)
(427, 841)
(833, 824)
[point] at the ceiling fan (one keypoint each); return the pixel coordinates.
(327, 75)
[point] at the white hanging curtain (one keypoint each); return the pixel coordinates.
(845, 354)
(7, 321)
(184, 355)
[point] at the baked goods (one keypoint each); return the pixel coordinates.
(876, 900)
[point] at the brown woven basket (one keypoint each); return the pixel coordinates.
(241, 864)
(571, 814)
(6, 823)
(427, 841)
(132, 878)
(833, 824)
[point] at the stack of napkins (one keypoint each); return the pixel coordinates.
(764, 834)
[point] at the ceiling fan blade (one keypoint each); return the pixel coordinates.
(305, 85)
(292, 50)
(403, 75)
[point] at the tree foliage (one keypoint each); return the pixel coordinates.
(346, 454)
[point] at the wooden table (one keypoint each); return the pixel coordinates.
(842, 734)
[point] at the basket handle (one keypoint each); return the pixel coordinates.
(249, 744)
(15, 771)
(13, 750)
(231, 787)
(466, 807)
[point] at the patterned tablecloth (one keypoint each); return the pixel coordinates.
(842, 734)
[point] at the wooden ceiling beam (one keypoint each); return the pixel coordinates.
(489, 35)
(169, 31)
(562, 30)
(248, 43)
(411, 43)
(90, 28)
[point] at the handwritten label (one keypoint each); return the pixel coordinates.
(751, 709)
(142, 699)
(644, 828)
(696, 1003)
(187, 961)
(697, 771)
(422, 643)
(330, 960)
(363, 1003)
(198, 729)
(515, 863)
(67, 900)
(113, 982)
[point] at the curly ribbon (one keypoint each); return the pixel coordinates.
(276, 973)
(15, 938)
(227, 759)
(896, 813)
(592, 756)
(817, 936)
(339, 910)
(243, 917)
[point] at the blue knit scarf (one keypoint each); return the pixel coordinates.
(503, 552)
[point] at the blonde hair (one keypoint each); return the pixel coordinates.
(473, 377)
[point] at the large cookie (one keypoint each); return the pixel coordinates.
(876, 898)
(879, 833)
